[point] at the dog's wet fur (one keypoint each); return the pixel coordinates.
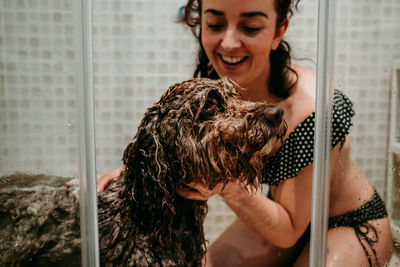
(200, 130)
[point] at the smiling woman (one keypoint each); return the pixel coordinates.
(259, 28)
(238, 42)
(139, 50)
(243, 40)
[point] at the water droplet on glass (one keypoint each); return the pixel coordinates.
(68, 4)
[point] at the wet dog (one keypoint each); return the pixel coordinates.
(200, 130)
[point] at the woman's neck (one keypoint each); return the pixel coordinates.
(259, 92)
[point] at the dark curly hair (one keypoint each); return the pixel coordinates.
(280, 58)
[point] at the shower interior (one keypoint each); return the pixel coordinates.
(139, 50)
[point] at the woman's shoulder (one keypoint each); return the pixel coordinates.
(306, 84)
(301, 102)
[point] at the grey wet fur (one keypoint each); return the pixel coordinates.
(200, 130)
(39, 221)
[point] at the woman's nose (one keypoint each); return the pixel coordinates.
(230, 40)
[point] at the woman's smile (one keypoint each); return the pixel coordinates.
(232, 61)
(238, 37)
(231, 64)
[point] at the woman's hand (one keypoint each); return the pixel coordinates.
(102, 179)
(200, 191)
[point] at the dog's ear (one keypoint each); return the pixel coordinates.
(149, 190)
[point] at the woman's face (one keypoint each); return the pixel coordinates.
(238, 36)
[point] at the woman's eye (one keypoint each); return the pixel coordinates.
(215, 27)
(251, 30)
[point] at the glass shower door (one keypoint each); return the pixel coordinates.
(40, 84)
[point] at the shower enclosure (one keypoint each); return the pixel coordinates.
(77, 76)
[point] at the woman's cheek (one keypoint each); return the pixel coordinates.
(206, 40)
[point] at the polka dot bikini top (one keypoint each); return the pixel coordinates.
(298, 149)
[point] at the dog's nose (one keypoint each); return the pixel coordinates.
(273, 113)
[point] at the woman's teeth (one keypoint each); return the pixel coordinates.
(232, 60)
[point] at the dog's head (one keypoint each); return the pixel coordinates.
(200, 130)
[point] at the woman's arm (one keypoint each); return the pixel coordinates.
(281, 221)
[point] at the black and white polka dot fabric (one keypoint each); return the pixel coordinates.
(298, 149)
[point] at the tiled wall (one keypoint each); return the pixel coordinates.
(139, 50)
(37, 87)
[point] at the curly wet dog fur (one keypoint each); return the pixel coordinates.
(199, 130)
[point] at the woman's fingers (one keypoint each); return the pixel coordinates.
(102, 182)
(198, 191)
(104, 179)
(191, 194)
(73, 182)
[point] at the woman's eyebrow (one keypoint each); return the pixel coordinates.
(253, 14)
(214, 12)
(244, 14)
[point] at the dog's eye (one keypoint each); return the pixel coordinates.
(214, 103)
(211, 106)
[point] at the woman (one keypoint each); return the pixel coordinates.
(243, 39)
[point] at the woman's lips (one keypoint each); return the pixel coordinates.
(232, 61)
